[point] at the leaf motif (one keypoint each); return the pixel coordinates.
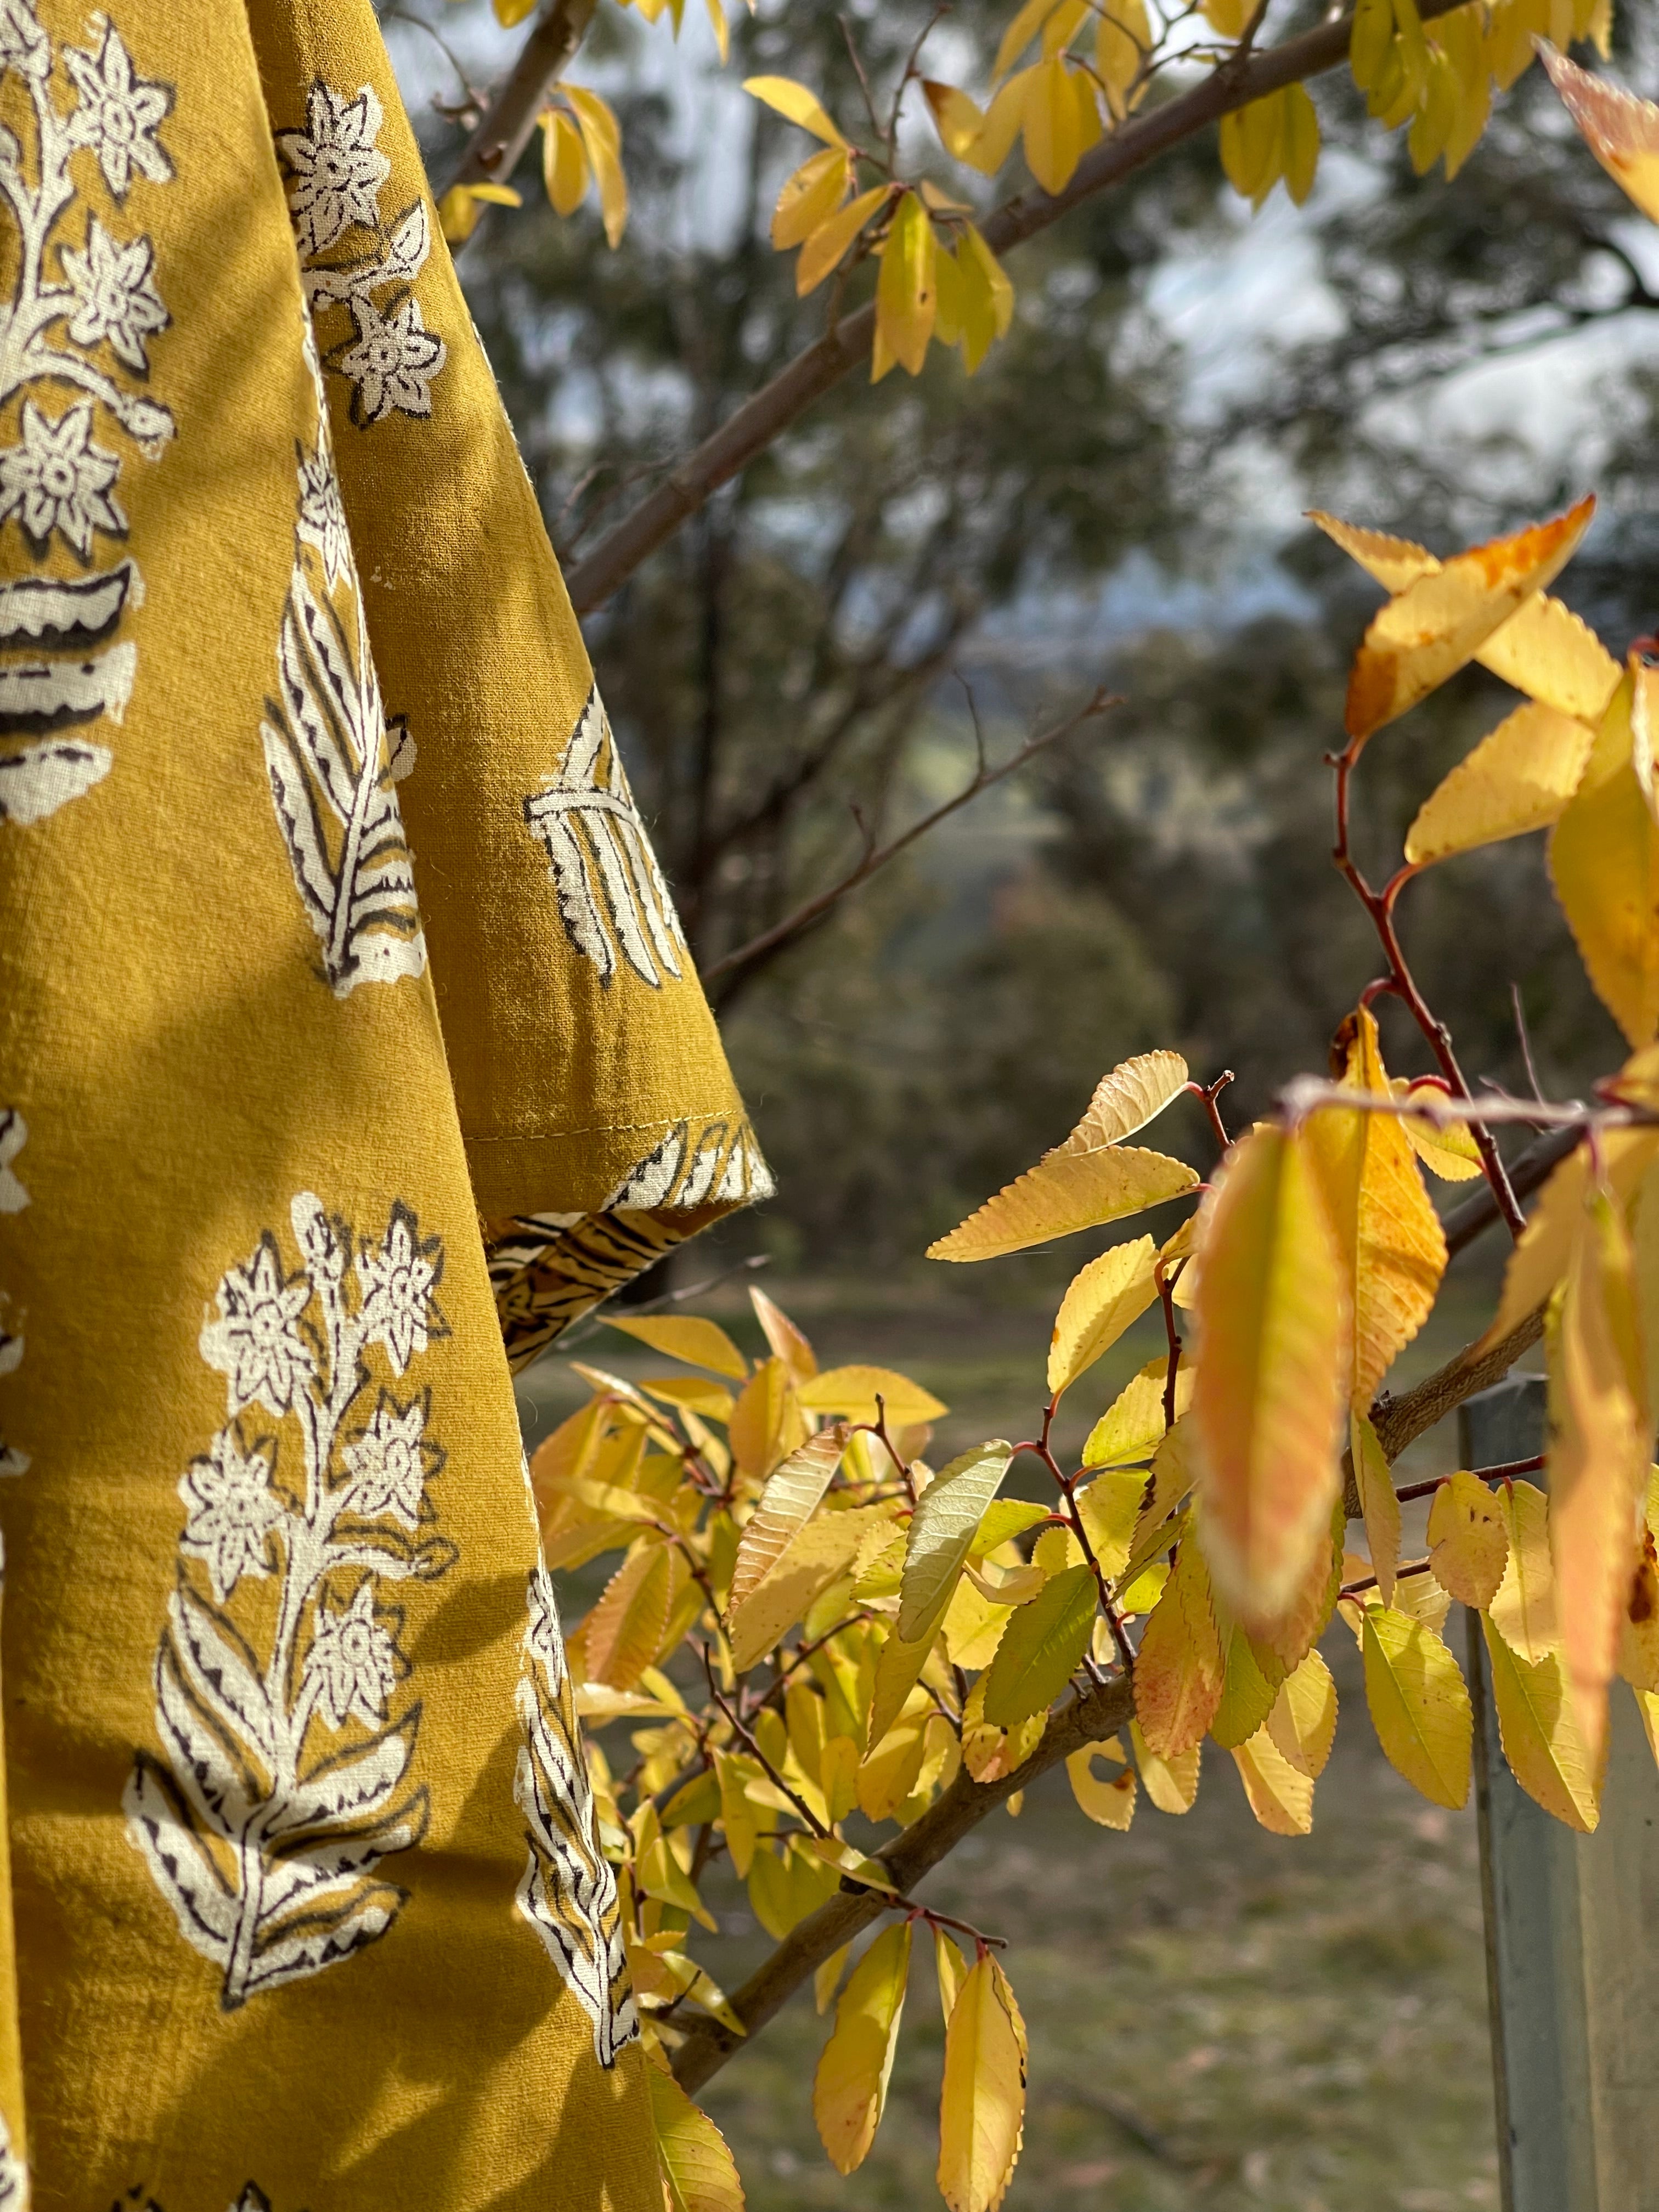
(1042, 1648)
(324, 1939)
(1420, 1705)
(353, 1785)
(1064, 1193)
(208, 1762)
(612, 898)
(221, 1668)
(160, 1828)
(849, 2089)
(1273, 1311)
(1100, 1303)
(37, 780)
(1437, 623)
(325, 752)
(1517, 779)
(983, 2106)
(784, 1507)
(699, 2172)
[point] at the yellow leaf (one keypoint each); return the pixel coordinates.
(1253, 147)
(1042, 1648)
(1301, 143)
(1446, 1150)
(602, 142)
(1523, 1609)
(1370, 41)
(1252, 1680)
(1620, 129)
(718, 24)
(509, 13)
(1420, 1705)
(849, 2088)
(982, 2108)
(1004, 119)
(1273, 1316)
(564, 163)
(952, 1970)
(1537, 1729)
(989, 1753)
(1110, 1508)
(817, 1557)
(795, 103)
(1303, 1722)
(826, 1980)
(766, 1424)
(1053, 142)
(785, 1341)
(1171, 1784)
(699, 2174)
(1066, 1192)
(1136, 1092)
(737, 1814)
(1604, 861)
(822, 251)
(941, 1534)
(1393, 1250)
(948, 288)
(698, 1343)
(854, 1391)
(956, 117)
(1280, 1795)
(1431, 628)
(1027, 21)
(1063, 26)
(1294, 1630)
(625, 1629)
(887, 1774)
(1228, 17)
(907, 300)
(1132, 1426)
(1123, 42)
(1541, 1252)
(987, 298)
(1108, 1800)
(1468, 1541)
(1598, 1455)
(458, 213)
(1378, 1503)
(791, 1496)
(1179, 1669)
(1173, 1476)
(810, 196)
(1519, 778)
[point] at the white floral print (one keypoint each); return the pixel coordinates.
(14, 1133)
(95, 125)
(322, 523)
(59, 479)
(334, 168)
(284, 1774)
(14, 2175)
(335, 174)
(392, 362)
(232, 1514)
(117, 301)
(256, 1341)
(354, 1664)
(118, 114)
(390, 1462)
(567, 1891)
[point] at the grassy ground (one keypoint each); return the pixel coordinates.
(1219, 2018)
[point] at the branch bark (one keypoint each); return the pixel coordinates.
(762, 417)
(708, 2046)
(492, 152)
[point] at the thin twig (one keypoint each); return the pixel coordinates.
(1506, 1473)
(1526, 1041)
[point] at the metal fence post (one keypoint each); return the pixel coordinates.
(1571, 1960)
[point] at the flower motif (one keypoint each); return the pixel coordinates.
(398, 1282)
(118, 113)
(24, 46)
(393, 362)
(116, 298)
(336, 168)
(353, 1662)
(322, 515)
(326, 1244)
(390, 1462)
(59, 480)
(256, 1341)
(232, 1512)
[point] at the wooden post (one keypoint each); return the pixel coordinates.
(1573, 1964)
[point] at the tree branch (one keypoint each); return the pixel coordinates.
(769, 411)
(1107, 1708)
(492, 152)
(738, 963)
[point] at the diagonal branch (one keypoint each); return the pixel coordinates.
(1107, 1707)
(762, 418)
(739, 964)
(492, 152)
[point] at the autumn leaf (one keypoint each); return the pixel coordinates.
(820, 1554)
(957, 119)
(1107, 1800)
(1252, 1680)
(797, 104)
(982, 2106)
(1542, 1250)
(1064, 1193)
(1598, 1454)
(564, 162)
(1279, 1794)
(986, 302)
(699, 2173)
(1519, 778)
(698, 1343)
(787, 1341)
(766, 1424)
(822, 251)
(907, 299)
(1604, 862)
(1420, 1705)
(1100, 1303)
(1180, 1670)
(941, 1533)
(1522, 1609)
(1540, 1735)
(602, 143)
(1620, 129)
(1136, 1092)
(854, 1391)
(1303, 1722)
(1436, 624)
(625, 1630)
(1132, 1426)
(1273, 1314)
(849, 2088)
(1379, 1505)
(1447, 1149)
(1468, 1541)
(810, 196)
(787, 1502)
(1042, 1648)
(1171, 1784)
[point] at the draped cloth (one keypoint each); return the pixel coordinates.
(349, 1047)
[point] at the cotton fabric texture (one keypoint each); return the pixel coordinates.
(349, 1047)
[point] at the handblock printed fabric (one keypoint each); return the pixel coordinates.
(329, 928)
